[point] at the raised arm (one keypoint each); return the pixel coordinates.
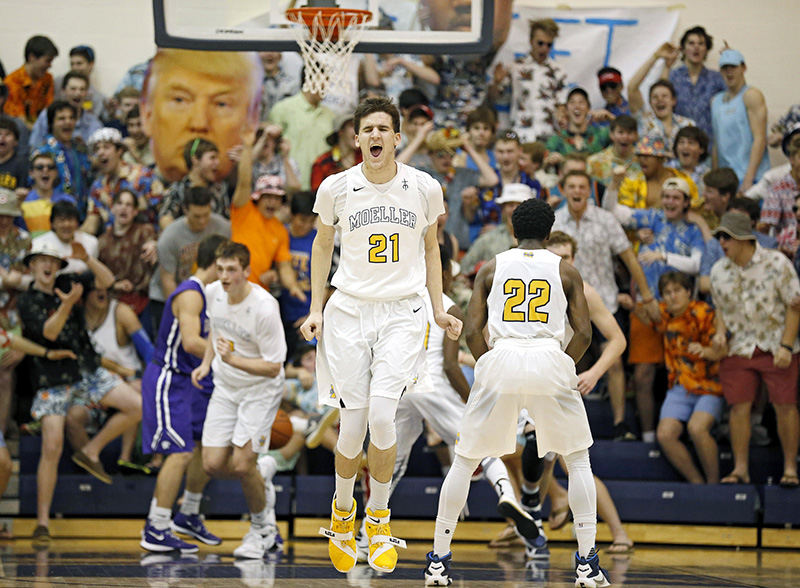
(636, 101)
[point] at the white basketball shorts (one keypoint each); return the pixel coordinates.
(235, 417)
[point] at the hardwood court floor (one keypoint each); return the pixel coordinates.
(118, 562)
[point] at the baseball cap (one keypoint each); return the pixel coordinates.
(268, 184)
(736, 225)
(678, 184)
(8, 203)
(731, 57)
(787, 137)
(420, 109)
(515, 193)
(609, 77)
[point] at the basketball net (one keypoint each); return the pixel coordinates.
(327, 37)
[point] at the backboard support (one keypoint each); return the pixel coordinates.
(417, 26)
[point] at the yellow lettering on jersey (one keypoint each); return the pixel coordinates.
(517, 292)
(379, 243)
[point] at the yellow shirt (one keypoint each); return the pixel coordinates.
(633, 191)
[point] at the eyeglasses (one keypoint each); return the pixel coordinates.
(609, 86)
(44, 166)
(544, 43)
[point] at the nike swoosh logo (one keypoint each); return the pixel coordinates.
(157, 537)
(373, 521)
(416, 309)
(357, 189)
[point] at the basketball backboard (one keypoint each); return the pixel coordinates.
(397, 26)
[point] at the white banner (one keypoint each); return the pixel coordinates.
(589, 39)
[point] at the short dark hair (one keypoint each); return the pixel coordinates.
(133, 113)
(536, 150)
(412, 97)
(302, 203)
(576, 172)
(300, 351)
(698, 30)
(84, 51)
(625, 122)
(747, 205)
(197, 196)
(373, 105)
(509, 135)
(197, 148)
(663, 84)
(580, 91)
(693, 134)
(234, 250)
(533, 219)
(723, 179)
(482, 114)
(115, 197)
(64, 209)
(673, 277)
(39, 45)
(56, 107)
(71, 75)
(207, 250)
(9, 125)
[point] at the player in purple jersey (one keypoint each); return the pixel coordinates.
(173, 411)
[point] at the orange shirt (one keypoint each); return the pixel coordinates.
(26, 98)
(266, 238)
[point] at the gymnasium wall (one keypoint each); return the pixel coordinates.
(122, 34)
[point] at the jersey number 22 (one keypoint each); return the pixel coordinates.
(517, 292)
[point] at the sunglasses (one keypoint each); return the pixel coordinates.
(510, 135)
(43, 166)
(544, 43)
(723, 237)
(609, 86)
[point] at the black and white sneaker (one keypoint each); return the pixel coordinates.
(437, 570)
(588, 573)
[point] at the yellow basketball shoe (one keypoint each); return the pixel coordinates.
(341, 542)
(382, 552)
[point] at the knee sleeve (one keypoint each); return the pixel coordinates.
(381, 422)
(532, 464)
(352, 430)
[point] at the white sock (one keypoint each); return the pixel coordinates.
(649, 436)
(582, 497)
(270, 507)
(497, 474)
(344, 492)
(259, 520)
(452, 499)
(379, 494)
(190, 505)
(159, 517)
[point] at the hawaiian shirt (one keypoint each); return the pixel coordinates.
(536, 91)
(673, 238)
(595, 139)
(134, 177)
(601, 166)
(633, 192)
(73, 168)
(13, 249)
(173, 199)
(694, 325)
(600, 237)
(462, 88)
(274, 88)
(694, 100)
(776, 211)
(650, 125)
(486, 246)
(753, 300)
(697, 174)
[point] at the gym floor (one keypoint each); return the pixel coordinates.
(120, 562)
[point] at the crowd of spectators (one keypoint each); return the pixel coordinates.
(688, 237)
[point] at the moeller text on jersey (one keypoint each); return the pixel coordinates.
(383, 214)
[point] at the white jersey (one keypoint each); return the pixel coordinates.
(527, 299)
(382, 229)
(104, 339)
(253, 326)
(433, 377)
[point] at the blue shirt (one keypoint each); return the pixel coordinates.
(300, 250)
(681, 238)
(73, 168)
(694, 100)
(87, 124)
(489, 210)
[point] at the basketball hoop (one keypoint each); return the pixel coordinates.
(327, 36)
